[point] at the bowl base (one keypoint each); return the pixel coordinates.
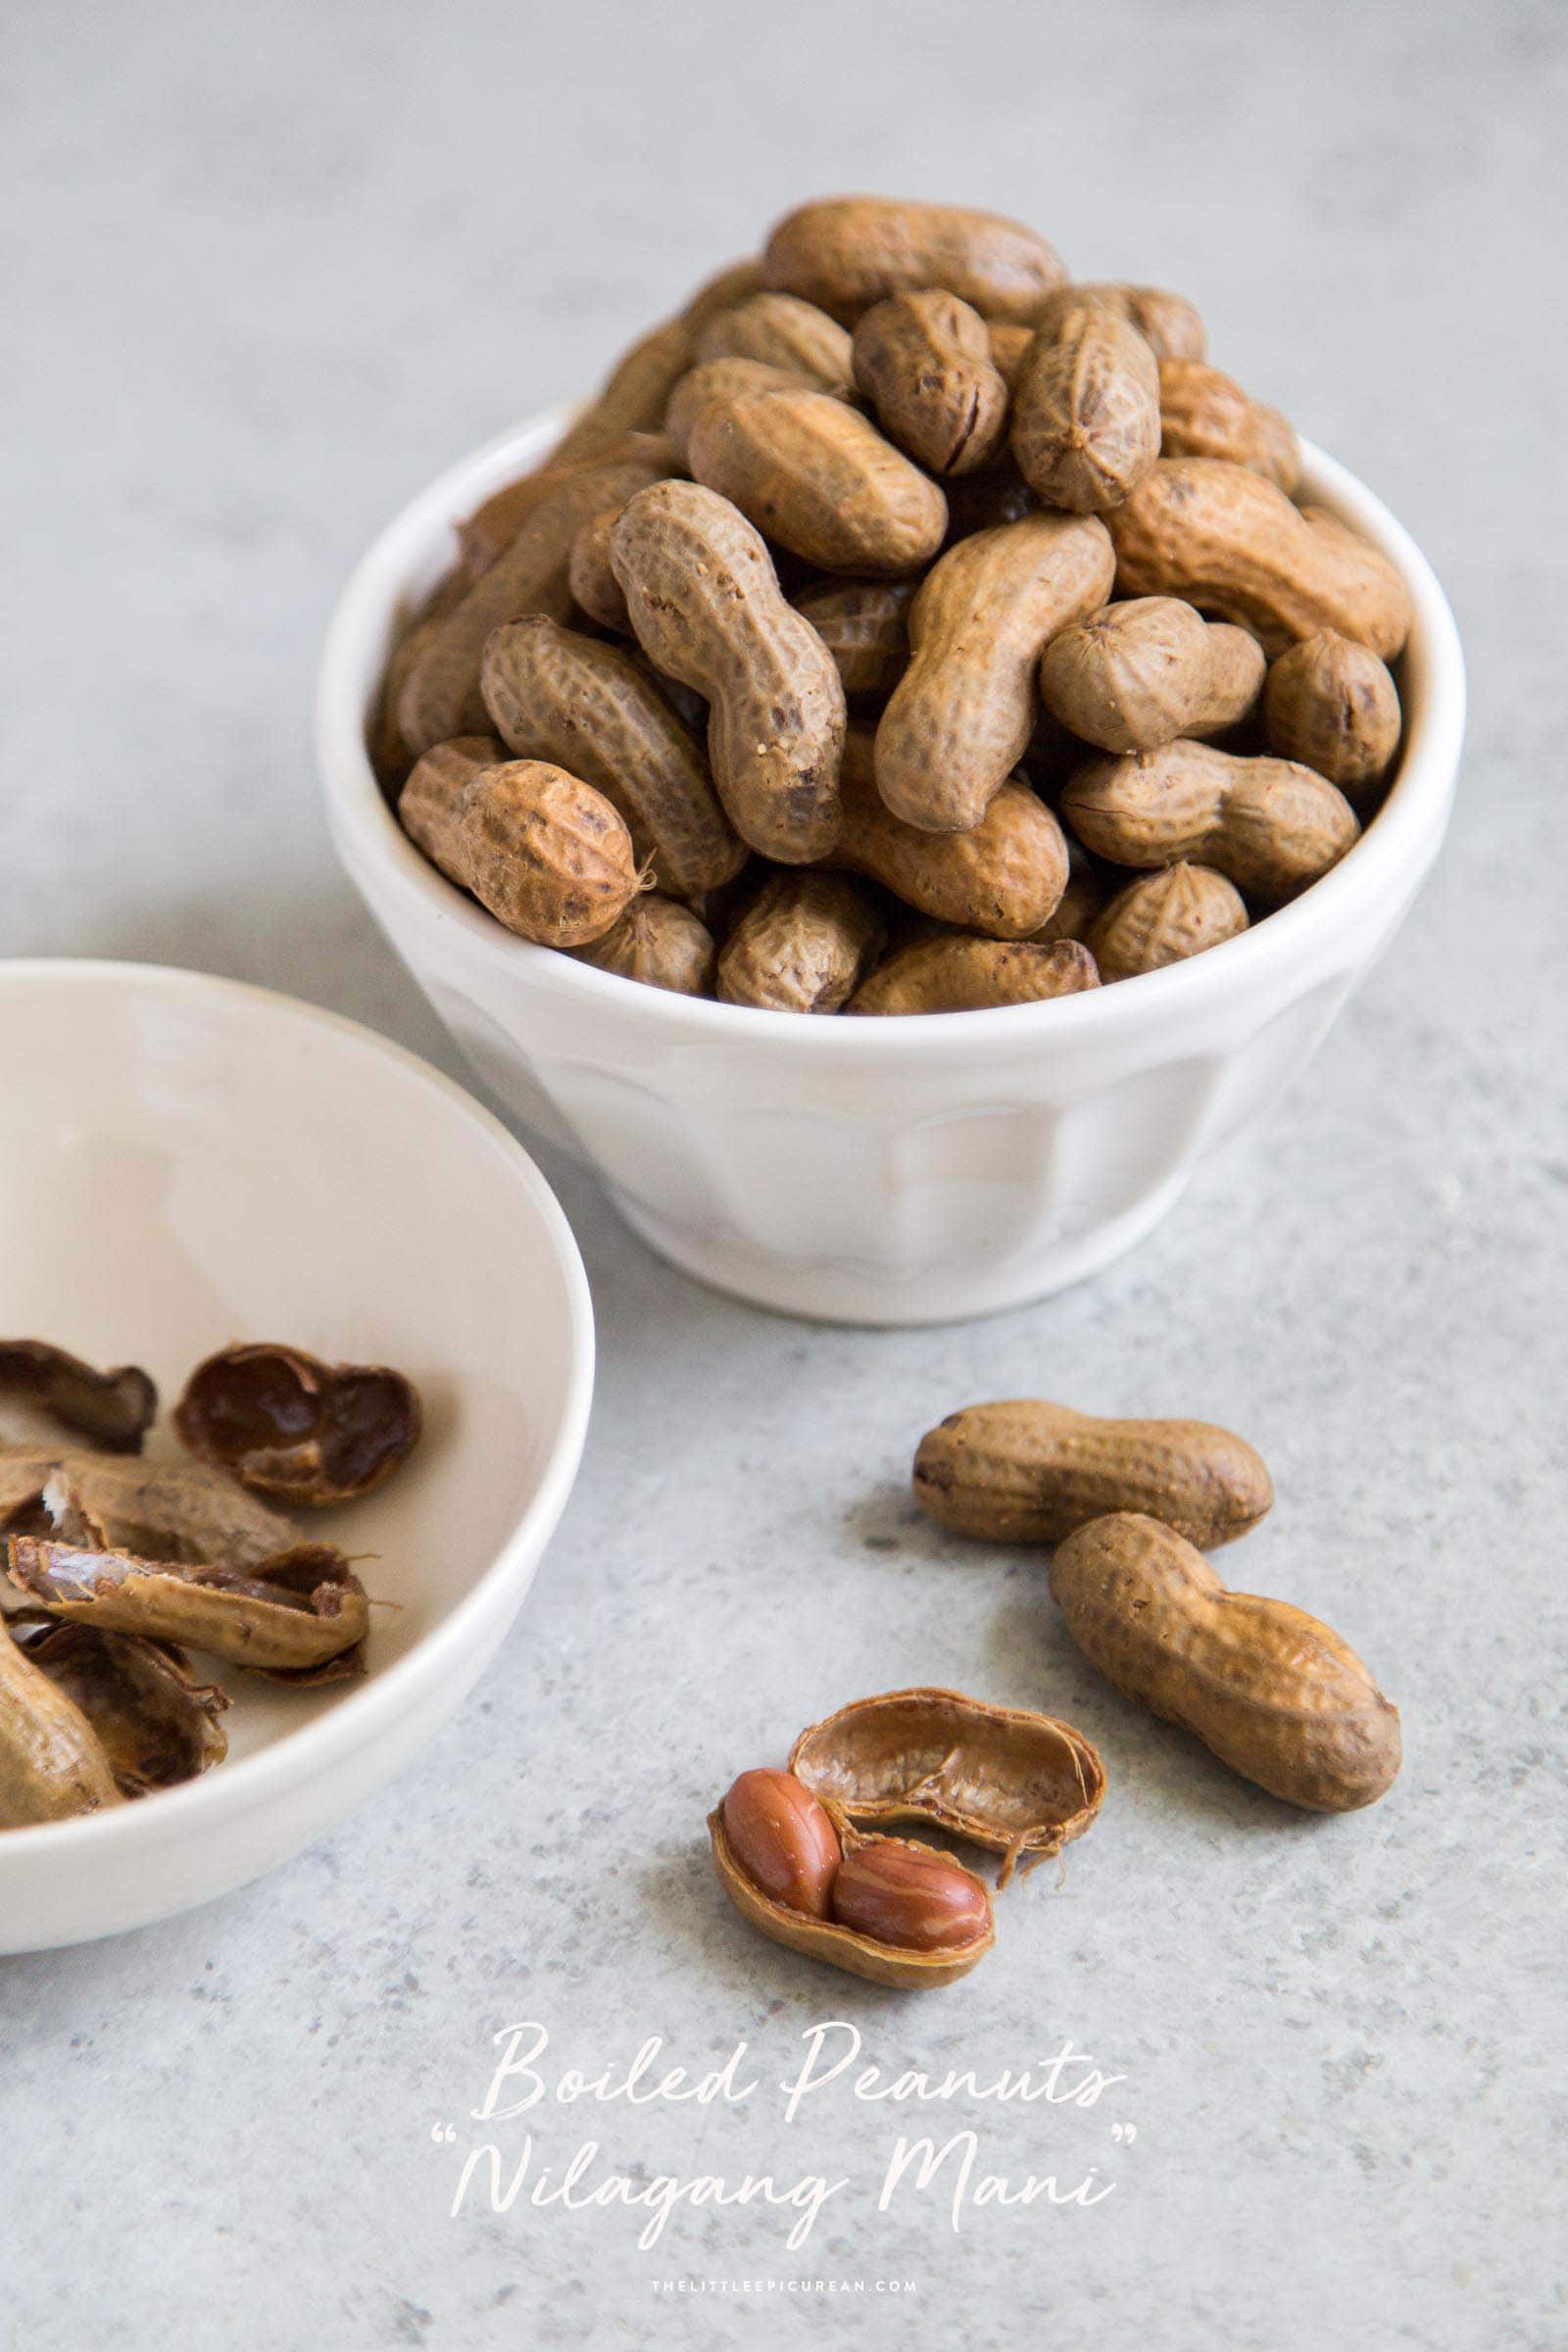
(821, 1292)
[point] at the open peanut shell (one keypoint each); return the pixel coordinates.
(295, 1614)
(1020, 1784)
(156, 1724)
(841, 1947)
(160, 1509)
(288, 1426)
(44, 1391)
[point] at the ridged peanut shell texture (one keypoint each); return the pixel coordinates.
(847, 252)
(1204, 414)
(1003, 878)
(801, 945)
(961, 715)
(1164, 918)
(1270, 826)
(1025, 1471)
(546, 854)
(554, 694)
(847, 1947)
(1020, 1784)
(956, 973)
(1273, 1692)
(924, 362)
(705, 604)
(1231, 543)
(1168, 322)
(658, 942)
(1137, 674)
(784, 332)
(1086, 412)
(1333, 706)
(819, 479)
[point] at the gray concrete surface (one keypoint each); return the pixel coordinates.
(267, 269)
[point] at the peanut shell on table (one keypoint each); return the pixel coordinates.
(1274, 1693)
(1026, 1471)
(1020, 1784)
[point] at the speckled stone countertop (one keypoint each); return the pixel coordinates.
(268, 269)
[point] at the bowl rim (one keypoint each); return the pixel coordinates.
(358, 1715)
(1400, 838)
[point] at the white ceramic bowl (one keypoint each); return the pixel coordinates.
(184, 1161)
(882, 1172)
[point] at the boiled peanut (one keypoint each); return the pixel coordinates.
(635, 395)
(801, 945)
(957, 973)
(1204, 414)
(554, 694)
(492, 527)
(924, 363)
(1166, 917)
(865, 626)
(1137, 674)
(1268, 825)
(431, 800)
(441, 694)
(1231, 543)
(705, 600)
(1167, 322)
(721, 381)
(960, 716)
(784, 332)
(724, 291)
(820, 479)
(1331, 705)
(1081, 903)
(1085, 410)
(847, 252)
(1008, 344)
(658, 942)
(1273, 1692)
(1030, 1472)
(593, 583)
(783, 1840)
(546, 854)
(1003, 877)
(911, 1896)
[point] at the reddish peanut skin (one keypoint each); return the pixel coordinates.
(844, 253)
(962, 713)
(783, 1840)
(909, 1896)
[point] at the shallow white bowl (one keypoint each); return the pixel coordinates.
(882, 1172)
(185, 1161)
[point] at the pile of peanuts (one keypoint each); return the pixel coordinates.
(904, 629)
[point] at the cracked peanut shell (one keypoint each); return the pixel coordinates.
(295, 1428)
